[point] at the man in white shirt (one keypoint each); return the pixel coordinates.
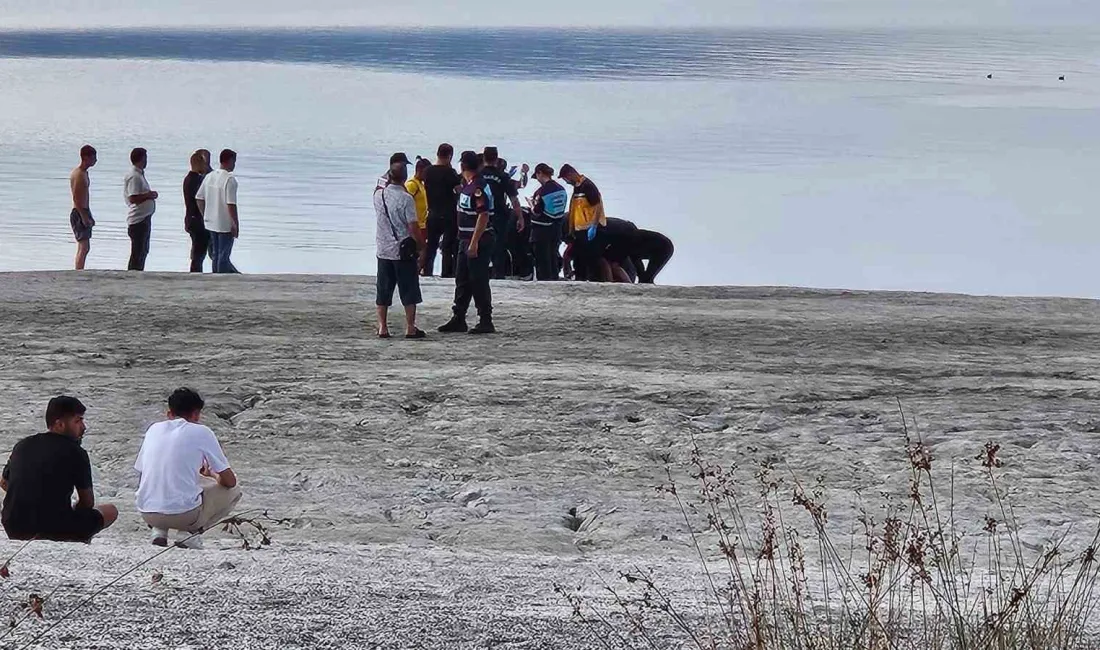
(186, 482)
(142, 203)
(397, 222)
(217, 201)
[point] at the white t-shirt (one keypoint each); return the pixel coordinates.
(219, 191)
(392, 200)
(133, 185)
(171, 456)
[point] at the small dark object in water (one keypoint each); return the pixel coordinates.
(989, 76)
(1062, 78)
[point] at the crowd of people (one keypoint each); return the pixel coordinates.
(474, 220)
(526, 240)
(185, 481)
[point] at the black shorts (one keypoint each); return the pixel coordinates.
(80, 525)
(80, 231)
(403, 275)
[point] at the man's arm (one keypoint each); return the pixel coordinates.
(82, 480)
(479, 230)
(227, 479)
(236, 232)
(85, 498)
(202, 206)
(513, 197)
(137, 199)
(231, 200)
(412, 223)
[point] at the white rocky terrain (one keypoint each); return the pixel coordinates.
(423, 486)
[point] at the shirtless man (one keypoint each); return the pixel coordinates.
(81, 217)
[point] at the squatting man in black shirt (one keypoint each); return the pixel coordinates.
(41, 475)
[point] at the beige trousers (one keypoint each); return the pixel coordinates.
(217, 504)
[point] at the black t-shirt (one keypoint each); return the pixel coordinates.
(191, 184)
(501, 185)
(42, 473)
(441, 181)
(620, 237)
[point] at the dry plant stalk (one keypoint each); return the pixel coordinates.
(783, 582)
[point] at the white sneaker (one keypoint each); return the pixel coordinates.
(187, 541)
(160, 537)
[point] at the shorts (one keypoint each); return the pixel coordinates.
(80, 525)
(80, 231)
(403, 275)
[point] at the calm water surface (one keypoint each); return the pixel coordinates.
(827, 158)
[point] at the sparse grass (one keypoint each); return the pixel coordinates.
(777, 575)
(250, 527)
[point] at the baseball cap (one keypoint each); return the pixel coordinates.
(543, 168)
(491, 154)
(400, 157)
(566, 169)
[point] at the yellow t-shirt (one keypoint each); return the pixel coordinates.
(420, 198)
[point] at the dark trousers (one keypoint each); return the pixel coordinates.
(139, 243)
(442, 238)
(519, 248)
(656, 250)
(200, 246)
(501, 259)
(545, 248)
(221, 249)
(472, 279)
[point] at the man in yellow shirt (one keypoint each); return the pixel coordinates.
(587, 220)
(419, 192)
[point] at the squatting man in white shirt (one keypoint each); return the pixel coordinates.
(186, 482)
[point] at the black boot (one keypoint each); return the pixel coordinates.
(484, 326)
(455, 325)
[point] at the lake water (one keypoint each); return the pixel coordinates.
(858, 159)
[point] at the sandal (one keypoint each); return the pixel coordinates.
(418, 334)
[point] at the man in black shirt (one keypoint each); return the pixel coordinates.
(442, 183)
(504, 190)
(40, 477)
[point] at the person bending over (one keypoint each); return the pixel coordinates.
(650, 254)
(40, 477)
(186, 483)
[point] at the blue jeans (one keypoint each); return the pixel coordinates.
(221, 247)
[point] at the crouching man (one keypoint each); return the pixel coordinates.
(41, 475)
(186, 483)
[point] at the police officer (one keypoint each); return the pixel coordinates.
(503, 188)
(476, 236)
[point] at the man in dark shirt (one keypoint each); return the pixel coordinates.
(193, 222)
(651, 252)
(476, 239)
(504, 190)
(619, 240)
(442, 183)
(40, 477)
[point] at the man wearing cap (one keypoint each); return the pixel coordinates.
(397, 161)
(548, 208)
(503, 189)
(586, 218)
(476, 238)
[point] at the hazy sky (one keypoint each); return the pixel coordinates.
(98, 13)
